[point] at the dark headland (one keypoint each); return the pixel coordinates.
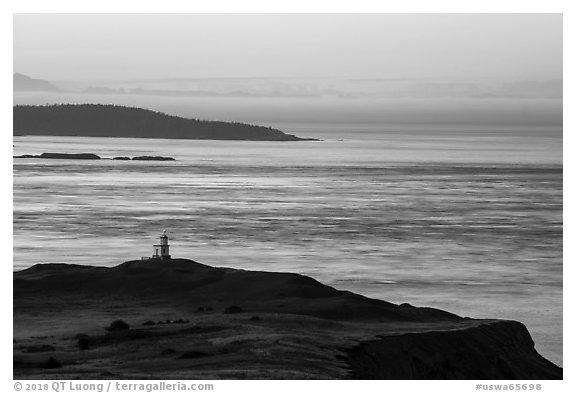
(180, 319)
(125, 122)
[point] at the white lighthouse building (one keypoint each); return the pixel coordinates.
(162, 250)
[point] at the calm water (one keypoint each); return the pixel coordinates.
(470, 222)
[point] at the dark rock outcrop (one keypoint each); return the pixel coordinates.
(152, 158)
(63, 156)
(495, 350)
(92, 156)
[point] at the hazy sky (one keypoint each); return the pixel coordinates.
(133, 46)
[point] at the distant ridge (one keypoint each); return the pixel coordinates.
(25, 83)
(127, 122)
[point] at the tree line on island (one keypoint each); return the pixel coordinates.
(97, 120)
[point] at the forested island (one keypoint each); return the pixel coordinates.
(97, 120)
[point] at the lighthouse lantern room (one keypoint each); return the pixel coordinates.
(162, 250)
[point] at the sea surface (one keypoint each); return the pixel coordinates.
(468, 220)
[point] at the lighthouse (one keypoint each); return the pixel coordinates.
(162, 250)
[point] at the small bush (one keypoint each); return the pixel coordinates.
(193, 355)
(181, 321)
(52, 363)
(84, 343)
(233, 310)
(118, 325)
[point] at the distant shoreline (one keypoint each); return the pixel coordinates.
(165, 139)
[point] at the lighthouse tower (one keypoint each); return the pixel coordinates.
(162, 250)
